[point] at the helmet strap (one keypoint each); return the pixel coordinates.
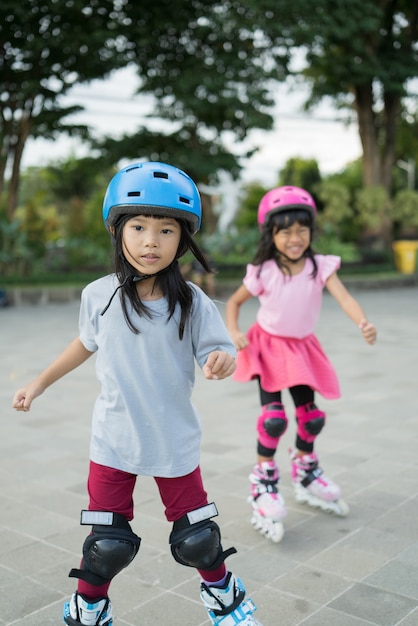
(135, 279)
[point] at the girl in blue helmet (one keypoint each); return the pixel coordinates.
(148, 325)
(281, 351)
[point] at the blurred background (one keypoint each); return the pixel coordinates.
(242, 95)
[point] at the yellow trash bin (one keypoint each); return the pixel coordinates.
(405, 253)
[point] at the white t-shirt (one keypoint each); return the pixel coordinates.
(143, 419)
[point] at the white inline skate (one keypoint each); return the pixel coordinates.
(79, 610)
(226, 605)
(268, 505)
(312, 487)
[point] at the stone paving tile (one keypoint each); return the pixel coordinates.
(374, 605)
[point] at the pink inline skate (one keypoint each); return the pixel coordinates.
(312, 487)
(268, 505)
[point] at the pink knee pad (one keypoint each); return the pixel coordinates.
(310, 421)
(271, 424)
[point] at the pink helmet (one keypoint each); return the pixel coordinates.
(283, 199)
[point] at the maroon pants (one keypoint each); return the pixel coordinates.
(112, 490)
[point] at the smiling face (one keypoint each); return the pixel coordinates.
(150, 243)
(292, 241)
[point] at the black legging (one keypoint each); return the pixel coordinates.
(301, 394)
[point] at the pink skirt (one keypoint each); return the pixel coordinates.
(283, 362)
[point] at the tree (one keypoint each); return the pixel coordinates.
(363, 54)
(46, 47)
(210, 69)
(301, 173)
(208, 66)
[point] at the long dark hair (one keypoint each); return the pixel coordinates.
(266, 249)
(170, 281)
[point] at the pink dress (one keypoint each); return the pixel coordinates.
(283, 350)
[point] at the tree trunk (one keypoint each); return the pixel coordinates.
(209, 219)
(3, 163)
(368, 135)
(24, 131)
(4, 151)
(391, 113)
(378, 138)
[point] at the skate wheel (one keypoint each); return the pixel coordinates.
(342, 508)
(337, 507)
(272, 530)
(277, 532)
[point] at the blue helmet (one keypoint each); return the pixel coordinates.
(152, 188)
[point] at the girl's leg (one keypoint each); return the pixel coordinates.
(310, 420)
(311, 485)
(109, 490)
(271, 424)
(180, 496)
(196, 540)
(267, 504)
(104, 554)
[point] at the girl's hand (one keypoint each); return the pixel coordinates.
(239, 339)
(369, 331)
(23, 397)
(219, 365)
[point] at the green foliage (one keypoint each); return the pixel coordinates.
(15, 254)
(84, 254)
(59, 224)
(232, 248)
(351, 177)
(337, 217)
(301, 173)
(372, 205)
(329, 243)
(247, 214)
(405, 209)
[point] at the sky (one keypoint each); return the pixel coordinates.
(112, 107)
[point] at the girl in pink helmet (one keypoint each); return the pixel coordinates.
(281, 351)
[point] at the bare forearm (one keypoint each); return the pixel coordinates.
(231, 316)
(351, 308)
(74, 355)
(232, 311)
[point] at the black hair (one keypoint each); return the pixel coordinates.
(266, 249)
(170, 281)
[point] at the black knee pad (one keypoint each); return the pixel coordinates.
(196, 540)
(110, 547)
(275, 426)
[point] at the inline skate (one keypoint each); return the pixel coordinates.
(226, 605)
(268, 505)
(80, 610)
(312, 487)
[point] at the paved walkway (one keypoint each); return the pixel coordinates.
(357, 571)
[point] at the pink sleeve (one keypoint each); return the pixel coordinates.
(327, 265)
(252, 281)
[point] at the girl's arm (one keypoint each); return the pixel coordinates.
(74, 355)
(351, 307)
(233, 306)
